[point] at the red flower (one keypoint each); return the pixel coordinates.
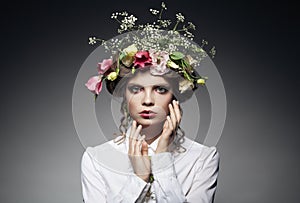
(141, 59)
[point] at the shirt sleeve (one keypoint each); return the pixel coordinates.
(132, 191)
(93, 185)
(204, 184)
(166, 186)
(94, 188)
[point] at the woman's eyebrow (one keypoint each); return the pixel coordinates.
(155, 85)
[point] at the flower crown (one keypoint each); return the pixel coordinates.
(152, 45)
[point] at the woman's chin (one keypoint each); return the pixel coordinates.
(150, 122)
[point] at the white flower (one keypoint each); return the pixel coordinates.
(180, 17)
(124, 13)
(191, 60)
(185, 85)
(123, 26)
(153, 11)
(164, 23)
(159, 62)
(163, 5)
(114, 16)
(92, 40)
(191, 26)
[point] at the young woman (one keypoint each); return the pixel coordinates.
(161, 164)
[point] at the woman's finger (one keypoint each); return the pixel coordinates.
(169, 129)
(177, 111)
(135, 138)
(172, 116)
(132, 131)
(144, 148)
(133, 128)
(166, 124)
(137, 132)
(170, 124)
(137, 151)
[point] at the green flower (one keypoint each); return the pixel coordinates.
(112, 76)
(201, 81)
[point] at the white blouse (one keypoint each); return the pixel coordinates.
(107, 174)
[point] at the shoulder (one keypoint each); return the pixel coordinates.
(91, 153)
(201, 153)
(108, 155)
(104, 148)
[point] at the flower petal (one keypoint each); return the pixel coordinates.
(104, 66)
(98, 88)
(93, 84)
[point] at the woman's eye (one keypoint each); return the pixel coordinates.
(161, 90)
(134, 89)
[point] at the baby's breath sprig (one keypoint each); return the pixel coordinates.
(93, 40)
(153, 35)
(213, 52)
(158, 44)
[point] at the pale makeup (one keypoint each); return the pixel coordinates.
(148, 97)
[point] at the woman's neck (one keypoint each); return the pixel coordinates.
(152, 132)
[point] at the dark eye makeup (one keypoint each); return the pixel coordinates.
(161, 89)
(134, 88)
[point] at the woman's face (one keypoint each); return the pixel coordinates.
(148, 98)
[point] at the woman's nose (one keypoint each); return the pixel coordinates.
(148, 99)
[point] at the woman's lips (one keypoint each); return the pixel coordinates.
(147, 114)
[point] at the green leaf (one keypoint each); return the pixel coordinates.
(186, 64)
(176, 55)
(122, 55)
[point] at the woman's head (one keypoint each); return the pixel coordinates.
(147, 98)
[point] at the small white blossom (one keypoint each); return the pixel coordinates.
(92, 40)
(165, 23)
(123, 26)
(124, 13)
(163, 5)
(180, 17)
(153, 11)
(191, 26)
(113, 16)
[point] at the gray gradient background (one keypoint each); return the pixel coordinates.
(43, 45)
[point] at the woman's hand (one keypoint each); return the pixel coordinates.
(169, 128)
(138, 153)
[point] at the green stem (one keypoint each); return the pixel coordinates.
(174, 29)
(160, 13)
(118, 20)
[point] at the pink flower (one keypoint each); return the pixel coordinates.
(94, 84)
(141, 59)
(159, 62)
(104, 66)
